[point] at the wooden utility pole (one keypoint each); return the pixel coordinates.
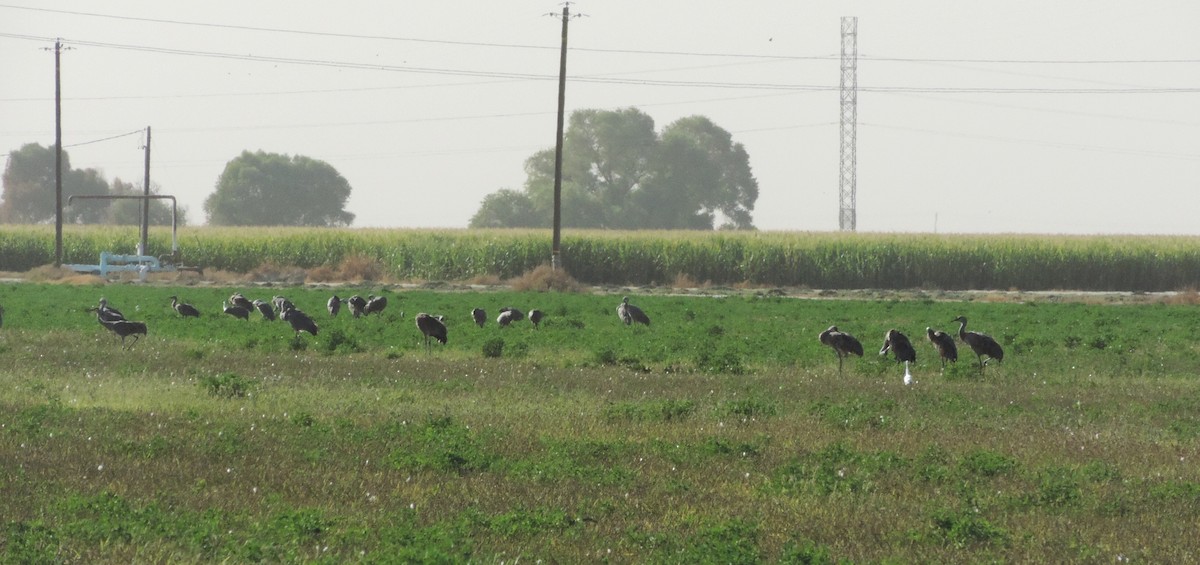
(555, 252)
(58, 212)
(144, 249)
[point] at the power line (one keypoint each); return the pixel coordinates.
(105, 139)
(618, 80)
(1078, 147)
(829, 57)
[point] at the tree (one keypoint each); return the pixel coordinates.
(619, 174)
(28, 196)
(125, 212)
(270, 189)
(507, 208)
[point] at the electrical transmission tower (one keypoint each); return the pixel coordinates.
(848, 176)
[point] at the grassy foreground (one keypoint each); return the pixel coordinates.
(723, 433)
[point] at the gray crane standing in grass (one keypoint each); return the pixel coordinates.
(265, 308)
(357, 304)
(235, 310)
(900, 346)
(508, 315)
(282, 304)
(630, 313)
(184, 309)
(944, 343)
(299, 321)
(431, 327)
(334, 305)
(981, 344)
(239, 299)
(902, 349)
(842, 343)
(120, 327)
(480, 316)
(106, 312)
(375, 305)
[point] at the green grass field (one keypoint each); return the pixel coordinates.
(722, 433)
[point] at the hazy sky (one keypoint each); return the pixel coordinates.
(981, 116)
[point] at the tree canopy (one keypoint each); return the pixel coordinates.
(270, 189)
(28, 196)
(619, 174)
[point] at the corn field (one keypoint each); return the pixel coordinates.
(815, 260)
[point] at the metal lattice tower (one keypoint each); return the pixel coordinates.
(848, 176)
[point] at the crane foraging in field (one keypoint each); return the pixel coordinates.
(431, 327)
(265, 308)
(299, 321)
(981, 344)
(282, 304)
(944, 343)
(235, 310)
(480, 316)
(122, 328)
(239, 299)
(357, 304)
(106, 312)
(630, 313)
(900, 346)
(186, 310)
(375, 305)
(508, 315)
(842, 343)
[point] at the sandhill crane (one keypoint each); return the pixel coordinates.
(235, 310)
(944, 344)
(357, 304)
(334, 305)
(264, 308)
(480, 316)
(106, 312)
(375, 305)
(282, 304)
(508, 315)
(299, 321)
(535, 317)
(184, 309)
(899, 345)
(842, 343)
(122, 328)
(630, 313)
(430, 326)
(981, 344)
(238, 299)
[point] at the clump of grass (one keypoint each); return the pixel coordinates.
(487, 279)
(493, 348)
(683, 280)
(226, 385)
(270, 271)
(360, 267)
(322, 274)
(651, 411)
(1189, 296)
(966, 528)
(545, 279)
